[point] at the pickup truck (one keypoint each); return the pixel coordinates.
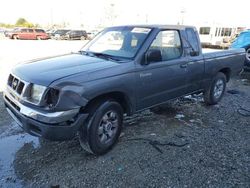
(123, 70)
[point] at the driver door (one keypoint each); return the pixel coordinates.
(166, 79)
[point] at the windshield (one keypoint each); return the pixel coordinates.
(119, 41)
(242, 39)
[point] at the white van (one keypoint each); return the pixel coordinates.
(217, 36)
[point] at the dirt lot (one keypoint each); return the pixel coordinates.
(181, 144)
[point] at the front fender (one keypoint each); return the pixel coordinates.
(70, 96)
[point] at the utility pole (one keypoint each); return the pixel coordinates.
(146, 18)
(183, 11)
(51, 17)
(112, 13)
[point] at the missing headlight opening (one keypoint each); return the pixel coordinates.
(51, 97)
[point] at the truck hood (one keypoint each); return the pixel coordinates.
(45, 71)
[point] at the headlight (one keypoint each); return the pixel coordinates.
(36, 93)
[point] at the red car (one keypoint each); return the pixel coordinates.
(30, 34)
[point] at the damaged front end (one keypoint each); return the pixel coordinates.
(53, 113)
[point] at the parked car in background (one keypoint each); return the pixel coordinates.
(92, 34)
(9, 32)
(58, 34)
(76, 34)
(243, 41)
(50, 32)
(28, 34)
(6, 33)
(2, 30)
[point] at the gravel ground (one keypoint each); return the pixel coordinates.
(181, 144)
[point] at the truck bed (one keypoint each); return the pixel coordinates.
(216, 59)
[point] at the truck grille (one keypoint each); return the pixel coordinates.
(16, 84)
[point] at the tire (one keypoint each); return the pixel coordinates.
(247, 62)
(15, 37)
(38, 38)
(83, 38)
(102, 129)
(216, 90)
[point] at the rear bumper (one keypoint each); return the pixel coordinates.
(52, 131)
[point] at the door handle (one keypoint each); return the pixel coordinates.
(183, 65)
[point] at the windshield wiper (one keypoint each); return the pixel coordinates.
(101, 55)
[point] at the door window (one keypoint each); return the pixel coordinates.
(24, 30)
(169, 43)
(205, 30)
(30, 30)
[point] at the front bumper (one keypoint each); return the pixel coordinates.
(53, 126)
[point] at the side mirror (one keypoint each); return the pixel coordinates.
(194, 53)
(153, 55)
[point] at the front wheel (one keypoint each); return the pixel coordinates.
(15, 37)
(83, 38)
(103, 127)
(216, 90)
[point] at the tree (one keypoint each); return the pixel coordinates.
(21, 22)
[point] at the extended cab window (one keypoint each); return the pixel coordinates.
(169, 43)
(193, 40)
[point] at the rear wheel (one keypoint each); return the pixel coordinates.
(102, 129)
(216, 90)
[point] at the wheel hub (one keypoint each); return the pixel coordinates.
(108, 127)
(218, 89)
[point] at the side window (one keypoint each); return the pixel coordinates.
(205, 30)
(24, 30)
(217, 32)
(169, 43)
(39, 31)
(30, 30)
(193, 40)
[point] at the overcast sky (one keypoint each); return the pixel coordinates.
(118, 12)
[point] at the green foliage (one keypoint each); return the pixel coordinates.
(6, 25)
(22, 22)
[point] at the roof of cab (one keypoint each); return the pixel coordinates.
(178, 27)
